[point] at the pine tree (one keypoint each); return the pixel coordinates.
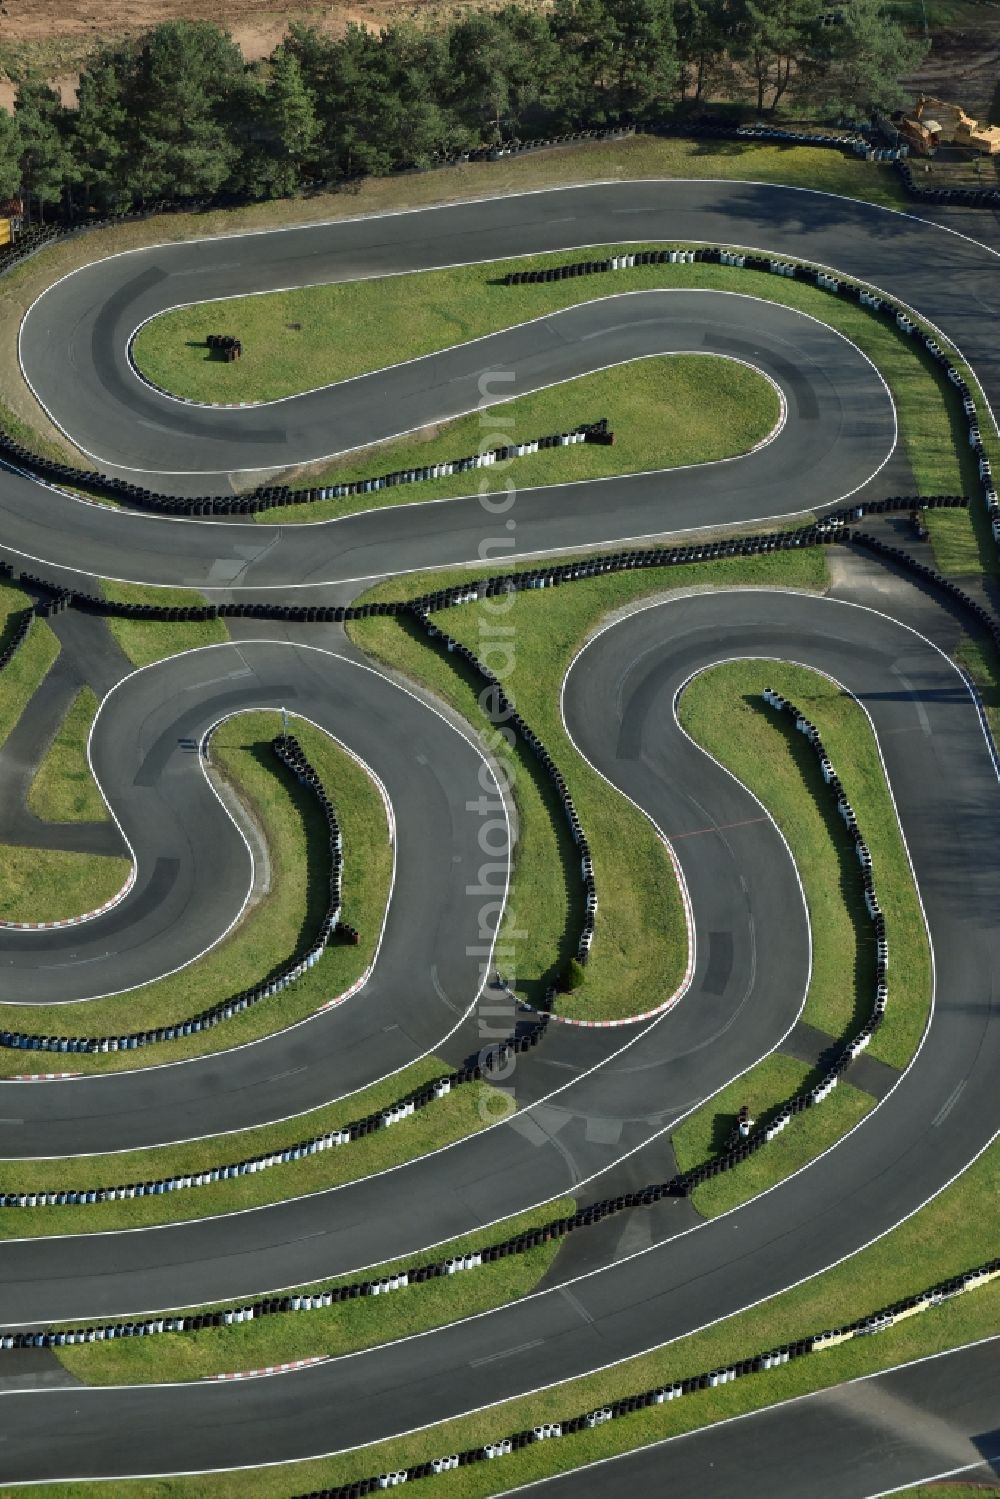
(868, 53)
(645, 51)
(99, 132)
(290, 113)
(178, 95)
(10, 156)
(46, 163)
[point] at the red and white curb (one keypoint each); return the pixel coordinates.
(339, 1000)
(299, 1363)
(39, 1077)
(682, 987)
(52, 926)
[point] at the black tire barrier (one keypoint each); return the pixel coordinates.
(226, 346)
(875, 303)
(527, 1035)
(981, 617)
(287, 750)
(502, 711)
(21, 631)
(821, 532)
(747, 1141)
(270, 497)
(869, 1325)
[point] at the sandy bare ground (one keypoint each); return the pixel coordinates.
(57, 34)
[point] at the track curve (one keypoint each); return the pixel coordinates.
(620, 709)
(839, 432)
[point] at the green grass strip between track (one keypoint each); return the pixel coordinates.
(666, 413)
(64, 789)
(461, 1113)
(271, 930)
(146, 641)
(764, 1088)
(635, 963)
(335, 1330)
(944, 1238)
(723, 710)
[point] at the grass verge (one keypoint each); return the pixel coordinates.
(723, 711)
(64, 789)
(944, 1238)
(335, 1330)
(42, 884)
(272, 930)
(49, 884)
(21, 679)
(717, 408)
(440, 1123)
(298, 340)
(146, 641)
(764, 1088)
(636, 962)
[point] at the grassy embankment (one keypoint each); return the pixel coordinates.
(64, 790)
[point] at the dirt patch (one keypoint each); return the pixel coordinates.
(54, 36)
(963, 65)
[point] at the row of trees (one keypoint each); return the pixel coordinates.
(177, 113)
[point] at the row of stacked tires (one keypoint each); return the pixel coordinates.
(797, 270)
(277, 496)
(502, 711)
(17, 639)
(971, 197)
(846, 1051)
(859, 145)
(851, 141)
(288, 752)
(493, 1059)
(866, 1326)
(57, 598)
(291, 755)
(610, 263)
(662, 1394)
(516, 147)
(982, 617)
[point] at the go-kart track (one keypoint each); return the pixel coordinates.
(590, 1099)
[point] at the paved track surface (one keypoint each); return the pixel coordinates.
(620, 700)
(752, 955)
(856, 1441)
(840, 431)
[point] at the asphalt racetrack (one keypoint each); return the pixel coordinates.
(884, 643)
